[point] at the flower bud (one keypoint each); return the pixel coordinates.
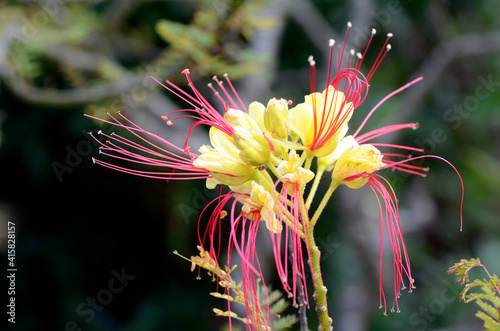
(223, 143)
(253, 146)
(223, 167)
(354, 165)
(276, 117)
(262, 198)
(256, 111)
(327, 162)
(237, 117)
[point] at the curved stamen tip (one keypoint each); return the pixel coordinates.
(416, 126)
(164, 117)
(374, 31)
(390, 35)
(331, 42)
(388, 47)
(426, 169)
(349, 24)
(93, 160)
(185, 71)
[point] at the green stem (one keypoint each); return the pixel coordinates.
(323, 202)
(325, 321)
(314, 188)
(264, 179)
(271, 167)
(308, 158)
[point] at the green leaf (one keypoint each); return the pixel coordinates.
(489, 323)
(492, 311)
(462, 268)
(488, 299)
(285, 322)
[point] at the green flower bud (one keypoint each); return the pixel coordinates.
(276, 118)
(223, 167)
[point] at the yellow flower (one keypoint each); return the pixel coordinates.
(223, 161)
(291, 169)
(276, 118)
(327, 162)
(354, 165)
(320, 120)
(248, 138)
(256, 111)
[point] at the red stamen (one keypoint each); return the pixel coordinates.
(383, 100)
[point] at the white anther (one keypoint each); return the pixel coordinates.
(209, 85)
(390, 35)
(225, 75)
(331, 42)
(349, 25)
(353, 52)
(99, 132)
(374, 31)
(311, 61)
(214, 77)
(359, 55)
(389, 47)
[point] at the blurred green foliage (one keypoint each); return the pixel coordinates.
(489, 297)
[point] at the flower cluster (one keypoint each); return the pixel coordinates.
(264, 155)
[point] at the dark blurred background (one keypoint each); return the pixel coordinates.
(79, 226)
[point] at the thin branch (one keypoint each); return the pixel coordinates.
(444, 54)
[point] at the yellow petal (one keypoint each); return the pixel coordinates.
(302, 122)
